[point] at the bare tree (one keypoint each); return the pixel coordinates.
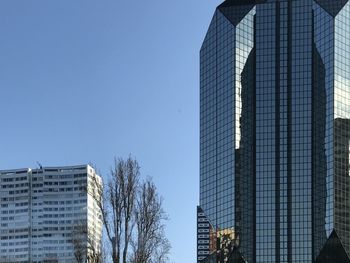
(151, 244)
(131, 211)
(117, 204)
(129, 180)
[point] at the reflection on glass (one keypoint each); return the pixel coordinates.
(275, 131)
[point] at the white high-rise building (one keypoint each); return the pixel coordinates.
(39, 210)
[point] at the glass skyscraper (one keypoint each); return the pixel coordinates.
(275, 133)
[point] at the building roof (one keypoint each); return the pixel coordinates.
(241, 2)
(55, 168)
(332, 7)
(236, 10)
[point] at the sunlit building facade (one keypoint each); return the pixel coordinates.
(40, 210)
(275, 131)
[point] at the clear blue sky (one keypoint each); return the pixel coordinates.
(84, 80)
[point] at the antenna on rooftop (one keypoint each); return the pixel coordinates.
(40, 166)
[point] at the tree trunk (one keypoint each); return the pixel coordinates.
(115, 256)
(125, 250)
(124, 256)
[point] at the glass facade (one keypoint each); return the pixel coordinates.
(275, 131)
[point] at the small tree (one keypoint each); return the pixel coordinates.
(79, 242)
(84, 244)
(51, 259)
